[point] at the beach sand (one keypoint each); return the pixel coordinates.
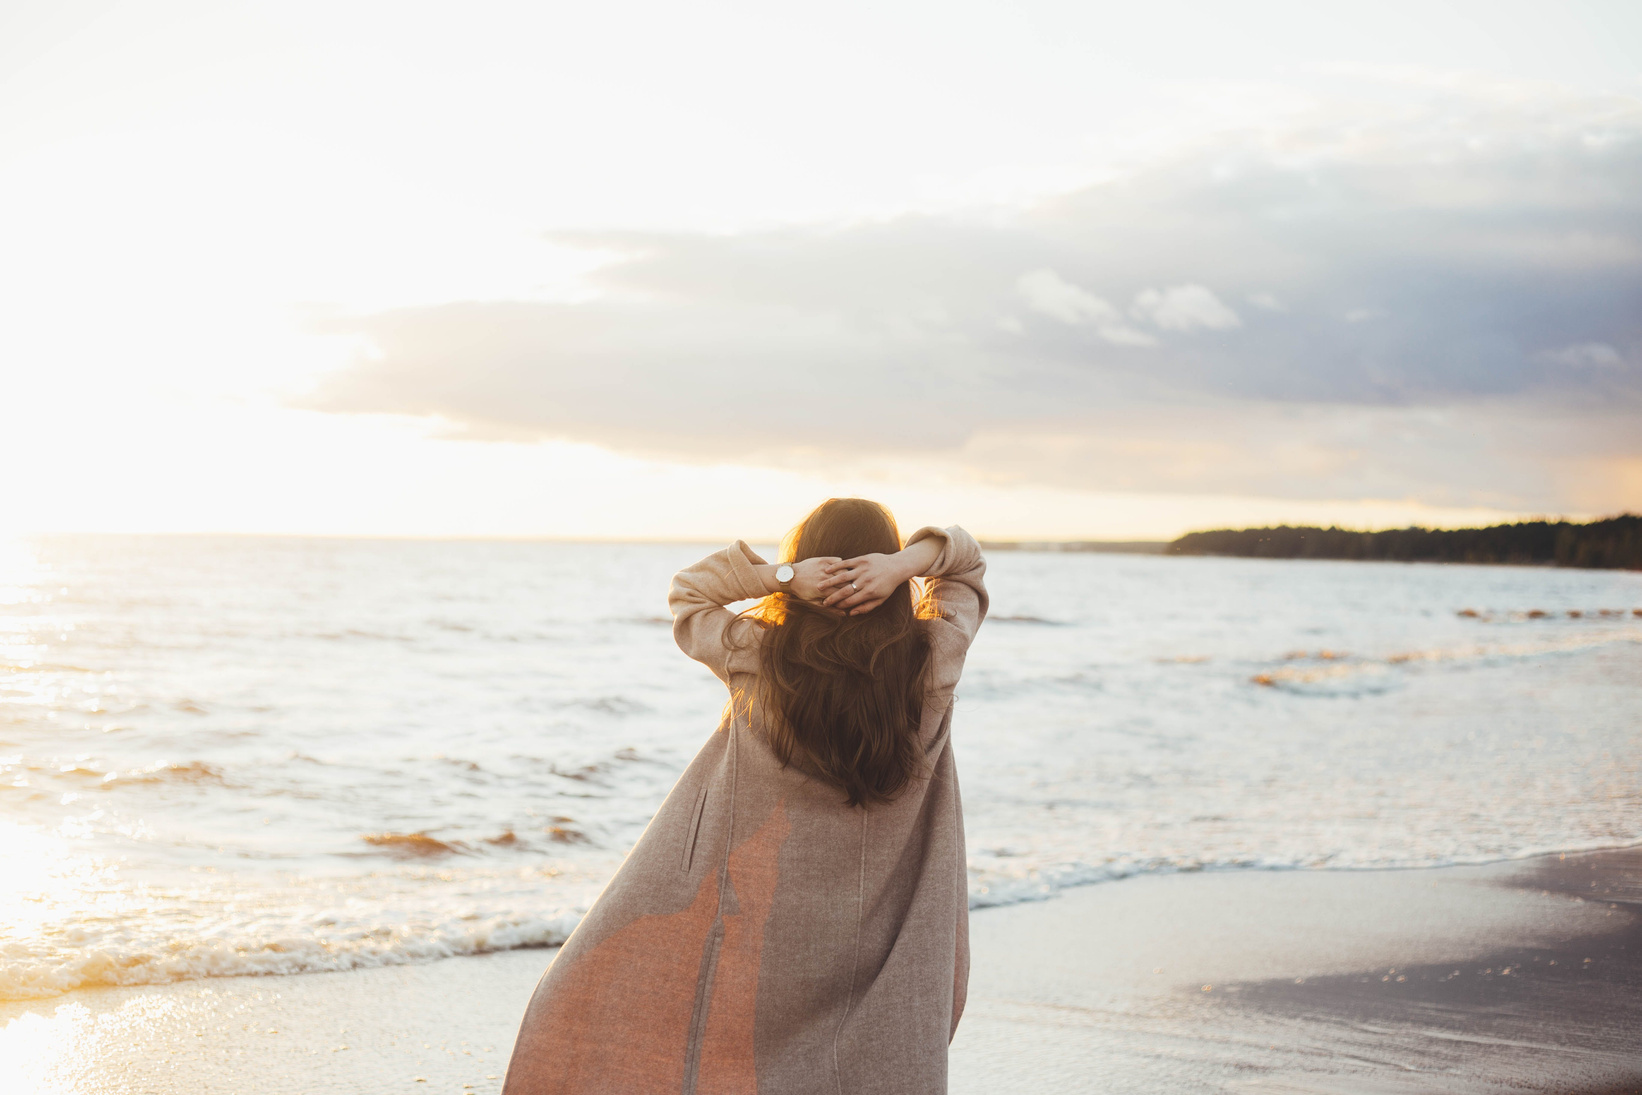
(1524, 976)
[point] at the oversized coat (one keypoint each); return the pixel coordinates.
(762, 936)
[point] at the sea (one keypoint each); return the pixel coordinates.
(266, 755)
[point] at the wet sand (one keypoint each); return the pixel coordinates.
(1521, 977)
(1467, 979)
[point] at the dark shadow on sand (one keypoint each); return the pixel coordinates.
(1565, 1016)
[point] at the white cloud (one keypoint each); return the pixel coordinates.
(1184, 308)
(1268, 301)
(1121, 334)
(1586, 355)
(1047, 292)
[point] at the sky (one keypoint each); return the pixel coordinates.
(658, 270)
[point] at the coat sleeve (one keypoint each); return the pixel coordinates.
(702, 626)
(956, 594)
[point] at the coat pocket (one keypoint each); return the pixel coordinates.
(694, 829)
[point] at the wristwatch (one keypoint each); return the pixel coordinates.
(783, 574)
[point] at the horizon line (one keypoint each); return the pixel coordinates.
(995, 542)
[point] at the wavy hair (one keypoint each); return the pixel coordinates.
(842, 696)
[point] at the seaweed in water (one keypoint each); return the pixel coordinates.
(413, 845)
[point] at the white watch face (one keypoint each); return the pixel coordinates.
(783, 573)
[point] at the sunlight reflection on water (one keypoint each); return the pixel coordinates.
(226, 755)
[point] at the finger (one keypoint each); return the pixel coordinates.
(848, 596)
(862, 610)
(857, 596)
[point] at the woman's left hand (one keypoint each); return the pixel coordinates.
(861, 584)
(808, 576)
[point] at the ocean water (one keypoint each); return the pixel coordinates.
(275, 755)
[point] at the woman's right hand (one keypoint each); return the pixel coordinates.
(861, 584)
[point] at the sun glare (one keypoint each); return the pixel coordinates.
(38, 1052)
(42, 880)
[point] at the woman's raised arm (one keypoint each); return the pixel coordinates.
(956, 589)
(701, 623)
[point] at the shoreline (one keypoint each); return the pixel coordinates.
(1002, 898)
(1346, 980)
(1289, 983)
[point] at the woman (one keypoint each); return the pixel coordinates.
(795, 917)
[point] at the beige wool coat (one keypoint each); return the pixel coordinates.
(761, 936)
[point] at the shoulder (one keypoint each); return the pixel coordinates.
(943, 634)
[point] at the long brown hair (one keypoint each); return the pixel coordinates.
(842, 696)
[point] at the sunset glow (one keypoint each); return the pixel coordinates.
(643, 271)
(408, 680)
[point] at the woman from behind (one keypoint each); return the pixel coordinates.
(795, 917)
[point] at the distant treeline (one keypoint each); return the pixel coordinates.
(1613, 542)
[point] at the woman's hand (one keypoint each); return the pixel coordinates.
(807, 576)
(861, 584)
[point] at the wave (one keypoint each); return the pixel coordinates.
(611, 705)
(306, 941)
(193, 772)
(414, 846)
(44, 667)
(1332, 672)
(347, 634)
(1042, 885)
(26, 974)
(1514, 615)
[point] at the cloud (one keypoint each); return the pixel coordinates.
(1587, 355)
(1480, 233)
(1184, 308)
(1046, 292)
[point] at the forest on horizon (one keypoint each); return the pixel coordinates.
(1609, 543)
